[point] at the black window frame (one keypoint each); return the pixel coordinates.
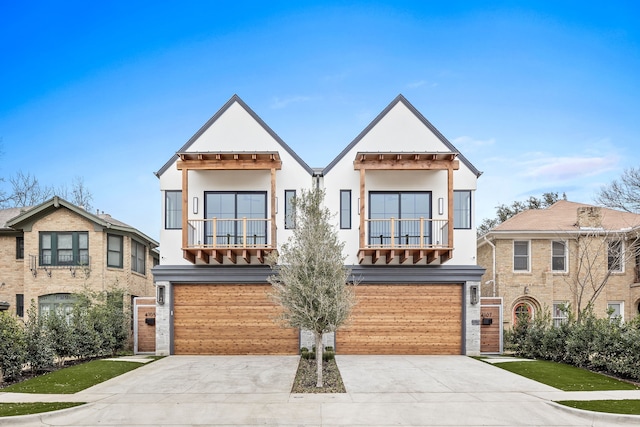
(20, 305)
(457, 209)
(428, 233)
(345, 211)
(289, 214)
(19, 247)
(120, 251)
(177, 211)
(236, 236)
(134, 257)
(79, 255)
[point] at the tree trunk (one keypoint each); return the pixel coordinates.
(318, 336)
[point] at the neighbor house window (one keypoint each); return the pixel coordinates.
(614, 255)
(20, 247)
(64, 248)
(61, 304)
(345, 209)
(173, 209)
(114, 251)
(522, 311)
(289, 214)
(20, 305)
(521, 256)
(560, 313)
(616, 309)
(462, 209)
(138, 253)
(559, 256)
(405, 211)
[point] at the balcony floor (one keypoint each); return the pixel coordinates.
(200, 255)
(403, 254)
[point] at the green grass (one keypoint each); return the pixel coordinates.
(13, 409)
(565, 377)
(73, 379)
(628, 407)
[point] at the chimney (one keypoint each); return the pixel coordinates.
(589, 217)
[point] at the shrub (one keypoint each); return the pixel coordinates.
(39, 348)
(12, 347)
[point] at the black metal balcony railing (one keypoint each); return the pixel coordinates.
(60, 261)
(215, 233)
(421, 233)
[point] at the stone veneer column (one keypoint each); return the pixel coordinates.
(163, 321)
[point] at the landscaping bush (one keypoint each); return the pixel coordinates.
(12, 347)
(599, 344)
(39, 345)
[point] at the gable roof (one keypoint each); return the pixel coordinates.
(24, 217)
(562, 216)
(215, 117)
(7, 214)
(420, 117)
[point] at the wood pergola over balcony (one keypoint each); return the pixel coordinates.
(201, 239)
(420, 238)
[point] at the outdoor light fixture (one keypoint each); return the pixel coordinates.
(160, 294)
(195, 205)
(473, 290)
(440, 206)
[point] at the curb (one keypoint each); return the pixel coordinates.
(39, 417)
(599, 416)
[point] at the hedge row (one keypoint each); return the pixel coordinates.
(96, 326)
(599, 344)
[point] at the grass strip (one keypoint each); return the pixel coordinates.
(14, 409)
(565, 377)
(627, 407)
(74, 378)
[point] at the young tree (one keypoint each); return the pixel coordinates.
(79, 194)
(623, 194)
(311, 280)
(27, 191)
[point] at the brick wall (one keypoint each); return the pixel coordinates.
(11, 271)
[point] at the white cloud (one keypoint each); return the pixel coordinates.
(567, 168)
(468, 143)
(279, 103)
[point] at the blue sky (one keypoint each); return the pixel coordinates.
(539, 95)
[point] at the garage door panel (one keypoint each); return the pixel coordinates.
(404, 319)
(229, 319)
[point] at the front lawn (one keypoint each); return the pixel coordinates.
(73, 379)
(13, 409)
(565, 377)
(628, 407)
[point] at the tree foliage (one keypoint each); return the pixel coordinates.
(504, 212)
(12, 347)
(26, 191)
(623, 193)
(311, 279)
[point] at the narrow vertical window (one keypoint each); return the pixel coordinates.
(20, 247)
(462, 209)
(614, 255)
(114, 251)
(289, 215)
(520, 256)
(345, 209)
(20, 305)
(173, 209)
(559, 256)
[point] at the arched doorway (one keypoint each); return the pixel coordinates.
(525, 307)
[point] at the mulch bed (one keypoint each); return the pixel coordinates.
(306, 378)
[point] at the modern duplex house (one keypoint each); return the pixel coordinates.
(53, 250)
(564, 255)
(403, 197)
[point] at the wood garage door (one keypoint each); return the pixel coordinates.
(404, 319)
(228, 319)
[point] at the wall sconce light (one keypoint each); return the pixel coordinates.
(160, 294)
(474, 294)
(440, 206)
(195, 205)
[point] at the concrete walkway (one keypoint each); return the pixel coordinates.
(381, 391)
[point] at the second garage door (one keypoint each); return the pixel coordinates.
(228, 319)
(404, 319)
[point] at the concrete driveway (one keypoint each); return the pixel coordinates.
(255, 390)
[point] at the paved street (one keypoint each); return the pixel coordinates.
(381, 391)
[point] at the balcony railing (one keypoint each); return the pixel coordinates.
(421, 233)
(47, 263)
(219, 233)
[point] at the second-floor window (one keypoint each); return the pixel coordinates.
(229, 208)
(138, 256)
(462, 209)
(345, 209)
(559, 256)
(614, 255)
(64, 248)
(20, 247)
(173, 209)
(406, 208)
(521, 256)
(289, 214)
(114, 251)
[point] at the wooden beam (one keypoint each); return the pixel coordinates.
(274, 229)
(231, 255)
(203, 256)
(431, 256)
(404, 256)
(185, 208)
(217, 255)
(361, 255)
(375, 256)
(260, 256)
(221, 164)
(189, 256)
(450, 208)
(246, 255)
(390, 255)
(407, 164)
(446, 256)
(362, 206)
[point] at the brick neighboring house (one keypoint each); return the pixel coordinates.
(532, 260)
(403, 197)
(52, 250)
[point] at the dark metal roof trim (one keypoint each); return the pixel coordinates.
(215, 117)
(454, 274)
(427, 123)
